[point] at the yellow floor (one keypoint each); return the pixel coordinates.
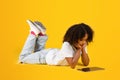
(57, 15)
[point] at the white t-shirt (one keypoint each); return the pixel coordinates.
(57, 56)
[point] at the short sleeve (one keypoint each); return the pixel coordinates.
(67, 50)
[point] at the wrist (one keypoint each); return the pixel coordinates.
(83, 50)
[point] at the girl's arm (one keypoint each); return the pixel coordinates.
(84, 56)
(72, 61)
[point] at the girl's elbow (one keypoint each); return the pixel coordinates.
(86, 64)
(73, 67)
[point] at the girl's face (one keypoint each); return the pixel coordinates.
(83, 40)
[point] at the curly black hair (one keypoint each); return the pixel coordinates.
(77, 32)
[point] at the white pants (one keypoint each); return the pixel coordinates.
(33, 51)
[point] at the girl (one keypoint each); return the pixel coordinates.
(74, 45)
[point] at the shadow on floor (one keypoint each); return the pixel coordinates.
(89, 69)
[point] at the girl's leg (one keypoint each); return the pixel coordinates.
(39, 53)
(40, 42)
(28, 47)
(34, 44)
(42, 38)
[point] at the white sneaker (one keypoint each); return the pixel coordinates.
(33, 27)
(40, 26)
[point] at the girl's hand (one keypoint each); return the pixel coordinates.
(84, 45)
(78, 46)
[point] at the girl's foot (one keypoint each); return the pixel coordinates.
(40, 26)
(33, 27)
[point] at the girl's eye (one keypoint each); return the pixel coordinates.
(81, 39)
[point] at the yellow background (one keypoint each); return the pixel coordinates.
(57, 15)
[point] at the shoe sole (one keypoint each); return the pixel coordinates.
(40, 26)
(33, 27)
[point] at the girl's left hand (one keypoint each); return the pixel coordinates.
(83, 47)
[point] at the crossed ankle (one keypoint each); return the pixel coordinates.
(33, 33)
(40, 34)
